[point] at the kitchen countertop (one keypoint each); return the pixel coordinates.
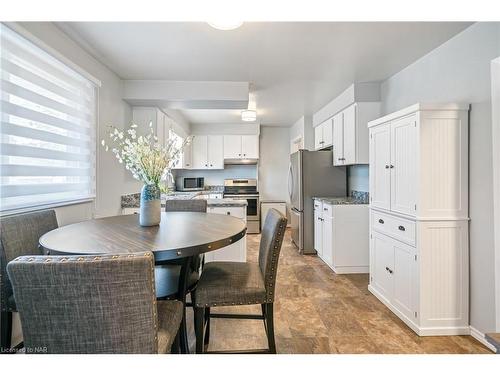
(133, 200)
(340, 200)
(226, 202)
(356, 197)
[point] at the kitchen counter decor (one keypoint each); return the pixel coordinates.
(150, 162)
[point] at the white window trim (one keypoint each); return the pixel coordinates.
(57, 55)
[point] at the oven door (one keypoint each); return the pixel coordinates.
(253, 207)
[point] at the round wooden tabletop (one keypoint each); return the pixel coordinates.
(180, 234)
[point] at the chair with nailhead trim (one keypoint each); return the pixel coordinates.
(19, 235)
(233, 283)
(93, 304)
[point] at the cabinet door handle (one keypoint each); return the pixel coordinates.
(239, 154)
(387, 269)
(390, 271)
(392, 166)
(206, 165)
(228, 213)
(386, 166)
(325, 209)
(401, 228)
(211, 165)
(381, 221)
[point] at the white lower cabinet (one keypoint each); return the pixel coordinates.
(237, 252)
(318, 227)
(341, 236)
(394, 270)
(425, 284)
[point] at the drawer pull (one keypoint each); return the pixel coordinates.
(401, 228)
(325, 209)
(381, 221)
(228, 213)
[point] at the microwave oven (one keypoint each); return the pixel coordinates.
(190, 183)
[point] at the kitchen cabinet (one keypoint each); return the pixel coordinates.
(241, 146)
(207, 152)
(318, 227)
(341, 236)
(380, 160)
(323, 136)
(338, 138)
(236, 252)
(394, 272)
(419, 216)
(143, 116)
(350, 133)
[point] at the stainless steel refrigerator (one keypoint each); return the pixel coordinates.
(311, 174)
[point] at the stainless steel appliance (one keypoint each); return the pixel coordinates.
(190, 183)
(245, 188)
(311, 174)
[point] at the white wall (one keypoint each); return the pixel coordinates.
(274, 162)
(459, 70)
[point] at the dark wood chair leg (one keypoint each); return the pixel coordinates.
(6, 331)
(199, 317)
(270, 327)
(207, 330)
(176, 345)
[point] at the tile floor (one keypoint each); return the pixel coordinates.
(317, 311)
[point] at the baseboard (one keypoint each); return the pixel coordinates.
(421, 331)
(479, 336)
(348, 269)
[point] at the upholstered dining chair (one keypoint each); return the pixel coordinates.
(167, 275)
(19, 235)
(233, 283)
(92, 304)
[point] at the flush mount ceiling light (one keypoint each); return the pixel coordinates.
(248, 115)
(225, 24)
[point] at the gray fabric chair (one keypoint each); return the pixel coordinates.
(167, 275)
(92, 304)
(231, 283)
(19, 235)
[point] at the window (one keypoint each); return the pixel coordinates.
(48, 126)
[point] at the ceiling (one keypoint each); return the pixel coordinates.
(294, 68)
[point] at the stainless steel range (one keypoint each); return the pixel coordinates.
(245, 189)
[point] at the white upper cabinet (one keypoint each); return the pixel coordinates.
(403, 165)
(393, 166)
(207, 152)
(215, 155)
(350, 133)
(338, 139)
(323, 135)
(380, 160)
(250, 146)
(199, 152)
(241, 147)
(318, 137)
(232, 146)
(425, 149)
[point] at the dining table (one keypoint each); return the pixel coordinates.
(179, 237)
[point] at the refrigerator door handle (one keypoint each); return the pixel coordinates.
(290, 181)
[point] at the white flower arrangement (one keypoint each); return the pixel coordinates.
(148, 160)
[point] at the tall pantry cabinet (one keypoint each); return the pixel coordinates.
(419, 256)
